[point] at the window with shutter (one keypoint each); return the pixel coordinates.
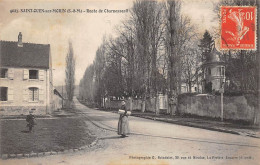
(222, 71)
(10, 94)
(25, 74)
(11, 74)
(33, 94)
(41, 75)
(3, 93)
(41, 95)
(3, 72)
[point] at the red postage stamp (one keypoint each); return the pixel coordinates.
(238, 27)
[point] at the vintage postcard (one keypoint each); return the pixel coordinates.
(131, 82)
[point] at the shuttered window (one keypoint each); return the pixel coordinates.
(11, 74)
(3, 93)
(41, 95)
(25, 74)
(41, 75)
(221, 71)
(3, 73)
(10, 94)
(33, 94)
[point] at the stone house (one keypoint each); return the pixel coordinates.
(214, 72)
(26, 78)
(194, 88)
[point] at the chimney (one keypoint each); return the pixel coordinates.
(20, 42)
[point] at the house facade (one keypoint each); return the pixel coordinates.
(26, 78)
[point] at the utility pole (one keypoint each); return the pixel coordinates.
(221, 102)
(221, 90)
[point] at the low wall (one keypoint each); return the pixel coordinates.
(136, 104)
(22, 110)
(114, 104)
(235, 107)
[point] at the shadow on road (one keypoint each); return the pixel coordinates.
(112, 137)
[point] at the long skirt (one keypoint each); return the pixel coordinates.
(123, 126)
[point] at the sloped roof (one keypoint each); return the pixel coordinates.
(29, 56)
(215, 58)
(56, 92)
(215, 55)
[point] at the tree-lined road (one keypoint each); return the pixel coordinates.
(156, 142)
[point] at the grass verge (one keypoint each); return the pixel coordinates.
(48, 135)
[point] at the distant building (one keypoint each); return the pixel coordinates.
(26, 78)
(194, 88)
(57, 100)
(214, 72)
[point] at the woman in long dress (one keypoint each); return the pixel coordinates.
(123, 125)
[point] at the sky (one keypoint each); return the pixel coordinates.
(84, 30)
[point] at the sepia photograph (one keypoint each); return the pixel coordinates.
(130, 82)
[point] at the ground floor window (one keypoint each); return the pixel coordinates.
(33, 94)
(3, 93)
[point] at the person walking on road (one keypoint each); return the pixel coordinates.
(123, 125)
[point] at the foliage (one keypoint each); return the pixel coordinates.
(179, 31)
(70, 75)
(86, 85)
(206, 44)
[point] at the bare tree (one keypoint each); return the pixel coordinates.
(70, 75)
(190, 65)
(137, 60)
(127, 45)
(99, 71)
(114, 74)
(179, 31)
(147, 19)
(86, 85)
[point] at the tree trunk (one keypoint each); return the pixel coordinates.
(143, 105)
(157, 104)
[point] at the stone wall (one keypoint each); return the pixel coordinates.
(136, 104)
(113, 104)
(235, 107)
(22, 110)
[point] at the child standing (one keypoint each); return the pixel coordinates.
(31, 121)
